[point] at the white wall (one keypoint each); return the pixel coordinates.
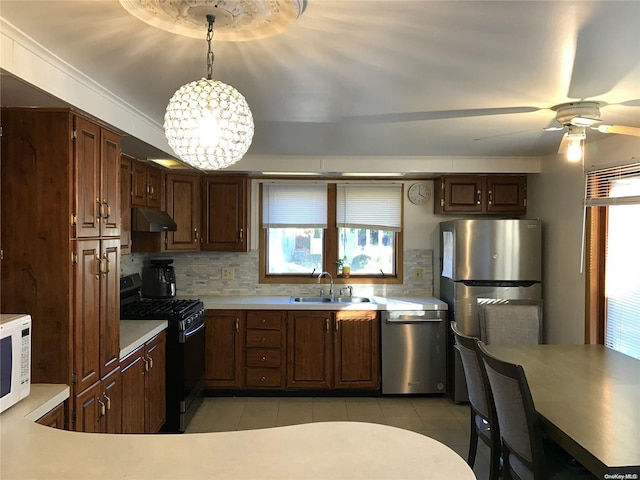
(556, 196)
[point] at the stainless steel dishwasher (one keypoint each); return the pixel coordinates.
(414, 351)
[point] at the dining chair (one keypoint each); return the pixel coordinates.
(483, 424)
(515, 322)
(525, 453)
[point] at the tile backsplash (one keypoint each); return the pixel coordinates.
(200, 274)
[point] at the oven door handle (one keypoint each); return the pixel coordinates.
(184, 337)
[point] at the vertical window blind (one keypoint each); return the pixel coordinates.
(369, 206)
(294, 205)
(618, 188)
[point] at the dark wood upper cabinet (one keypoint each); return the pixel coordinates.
(182, 193)
(125, 204)
(225, 213)
(481, 194)
(146, 185)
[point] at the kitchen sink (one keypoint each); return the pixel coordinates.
(319, 299)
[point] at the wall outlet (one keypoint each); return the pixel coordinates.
(417, 274)
(227, 273)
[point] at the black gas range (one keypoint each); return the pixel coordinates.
(185, 347)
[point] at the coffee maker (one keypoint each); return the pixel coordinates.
(158, 279)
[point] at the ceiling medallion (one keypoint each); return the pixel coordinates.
(236, 20)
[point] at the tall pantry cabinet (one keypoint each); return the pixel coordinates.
(60, 237)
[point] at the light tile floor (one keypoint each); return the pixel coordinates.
(438, 417)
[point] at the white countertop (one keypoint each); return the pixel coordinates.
(134, 333)
(325, 450)
(275, 302)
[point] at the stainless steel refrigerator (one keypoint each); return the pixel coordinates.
(485, 260)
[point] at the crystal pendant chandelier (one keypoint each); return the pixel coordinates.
(208, 124)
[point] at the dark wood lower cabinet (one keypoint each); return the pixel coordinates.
(356, 341)
(309, 349)
(297, 350)
(144, 387)
(223, 351)
(98, 409)
(55, 418)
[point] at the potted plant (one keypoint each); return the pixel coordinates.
(344, 268)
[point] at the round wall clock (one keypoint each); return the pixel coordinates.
(419, 193)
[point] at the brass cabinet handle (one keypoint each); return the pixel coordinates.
(150, 358)
(490, 197)
(108, 208)
(241, 234)
(103, 410)
(263, 340)
(263, 379)
(479, 197)
(146, 364)
(195, 233)
(108, 401)
(326, 324)
(100, 212)
(263, 359)
(263, 321)
(237, 324)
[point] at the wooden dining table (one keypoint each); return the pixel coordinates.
(588, 397)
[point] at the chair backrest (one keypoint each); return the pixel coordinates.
(518, 322)
(520, 427)
(479, 396)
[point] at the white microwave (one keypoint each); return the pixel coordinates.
(15, 359)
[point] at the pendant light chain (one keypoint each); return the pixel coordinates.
(210, 57)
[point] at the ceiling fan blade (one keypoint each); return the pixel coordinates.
(606, 50)
(546, 129)
(436, 115)
(619, 129)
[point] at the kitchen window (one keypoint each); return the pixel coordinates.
(307, 227)
(613, 307)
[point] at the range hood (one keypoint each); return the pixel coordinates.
(145, 219)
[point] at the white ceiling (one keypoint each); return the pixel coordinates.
(371, 77)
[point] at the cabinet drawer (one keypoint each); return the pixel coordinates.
(263, 357)
(263, 338)
(264, 320)
(264, 377)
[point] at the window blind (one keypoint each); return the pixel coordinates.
(369, 206)
(618, 188)
(294, 205)
(613, 186)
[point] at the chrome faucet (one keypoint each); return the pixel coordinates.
(330, 280)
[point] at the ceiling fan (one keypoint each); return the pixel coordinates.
(577, 117)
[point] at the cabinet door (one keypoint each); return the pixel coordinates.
(86, 313)
(507, 194)
(88, 410)
(133, 392)
(225, 213)
(109, 305)
(309, 349)
(183, 205)
(87, 178)
(54, 419)
(154, 181)
(125, 205)
(155, 384)
(139, 184)
(110, 184)
(356, 351)
(112, 398)
(223, 351)
(461, 194)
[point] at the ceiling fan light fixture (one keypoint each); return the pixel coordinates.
(208, 124)
(574, 151)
